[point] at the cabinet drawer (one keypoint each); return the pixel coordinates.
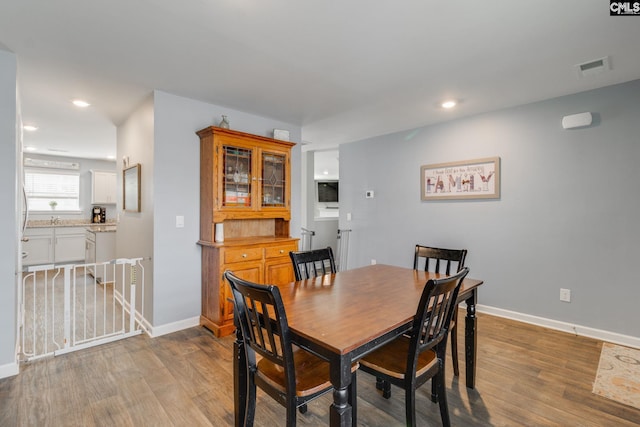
(280, 250)
(242, 254)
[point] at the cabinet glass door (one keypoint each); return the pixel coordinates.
(273, 180)
(236, 164)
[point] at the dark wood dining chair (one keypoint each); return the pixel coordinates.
(411, 360)
(287, 373)
(316, 262)
(445, 261)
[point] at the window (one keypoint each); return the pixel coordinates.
(48, 191)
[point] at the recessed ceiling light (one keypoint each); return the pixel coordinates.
(325, 172)
(30, 128)
(30, 148)
(80, 103)
(112, 157)
(449, 104)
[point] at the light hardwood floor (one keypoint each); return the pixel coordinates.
(527, 376)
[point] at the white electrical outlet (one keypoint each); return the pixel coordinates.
(565, 295)
(373, 262)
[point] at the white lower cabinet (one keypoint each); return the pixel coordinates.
(69, 244)
(100, 247)
(39, 246)
(54, 245)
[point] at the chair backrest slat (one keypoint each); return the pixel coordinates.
(439, 260)
(434, 314)
(263, 322)
(308, 264)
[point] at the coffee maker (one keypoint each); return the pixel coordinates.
(98, 215)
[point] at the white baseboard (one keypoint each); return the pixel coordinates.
(612, 337)
(9, 370)
(157, 331)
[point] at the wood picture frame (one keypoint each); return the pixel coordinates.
(131, 188)
(468, 179)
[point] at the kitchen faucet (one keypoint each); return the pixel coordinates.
(55, 220)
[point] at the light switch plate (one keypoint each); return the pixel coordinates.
(179, 221)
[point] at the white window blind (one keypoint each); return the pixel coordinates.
(47, 191)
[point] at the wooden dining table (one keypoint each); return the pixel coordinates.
(343, 316)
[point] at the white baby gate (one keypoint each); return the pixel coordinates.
(343, 249)
(66, 308)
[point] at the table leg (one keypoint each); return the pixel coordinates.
(340, 412)
(470, 340)
(239, 379)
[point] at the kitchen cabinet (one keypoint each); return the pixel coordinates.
(39, 246)
(100, 247)
(53, 245)
(245, 187)
(103, 187)
(68, 244)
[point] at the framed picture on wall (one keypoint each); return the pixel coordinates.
(468, 179)
(131, 188)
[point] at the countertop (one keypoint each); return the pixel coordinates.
(46, 223)
(102, 228)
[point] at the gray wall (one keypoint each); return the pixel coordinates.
(134, 238)
(8, 213)
(567, 216)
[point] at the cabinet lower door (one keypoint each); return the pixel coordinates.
(278, 272)
(39, 250)
(70, 247)
(250, 271)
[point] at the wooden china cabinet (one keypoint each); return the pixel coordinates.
(245, 185)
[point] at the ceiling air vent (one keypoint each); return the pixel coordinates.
(594, 67)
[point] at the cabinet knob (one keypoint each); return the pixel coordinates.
(281, 251)
(244, 255)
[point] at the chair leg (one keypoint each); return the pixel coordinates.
(303, 409)
(379, 383)
(442, 398)
(434, 391)
(251, 402)
(386, 389)
(454, 344)
(291, 414)
(410, 404)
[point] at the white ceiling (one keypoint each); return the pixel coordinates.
(342, 70)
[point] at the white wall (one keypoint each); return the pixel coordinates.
(567, 218)
(8, 213)
(165, 127)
